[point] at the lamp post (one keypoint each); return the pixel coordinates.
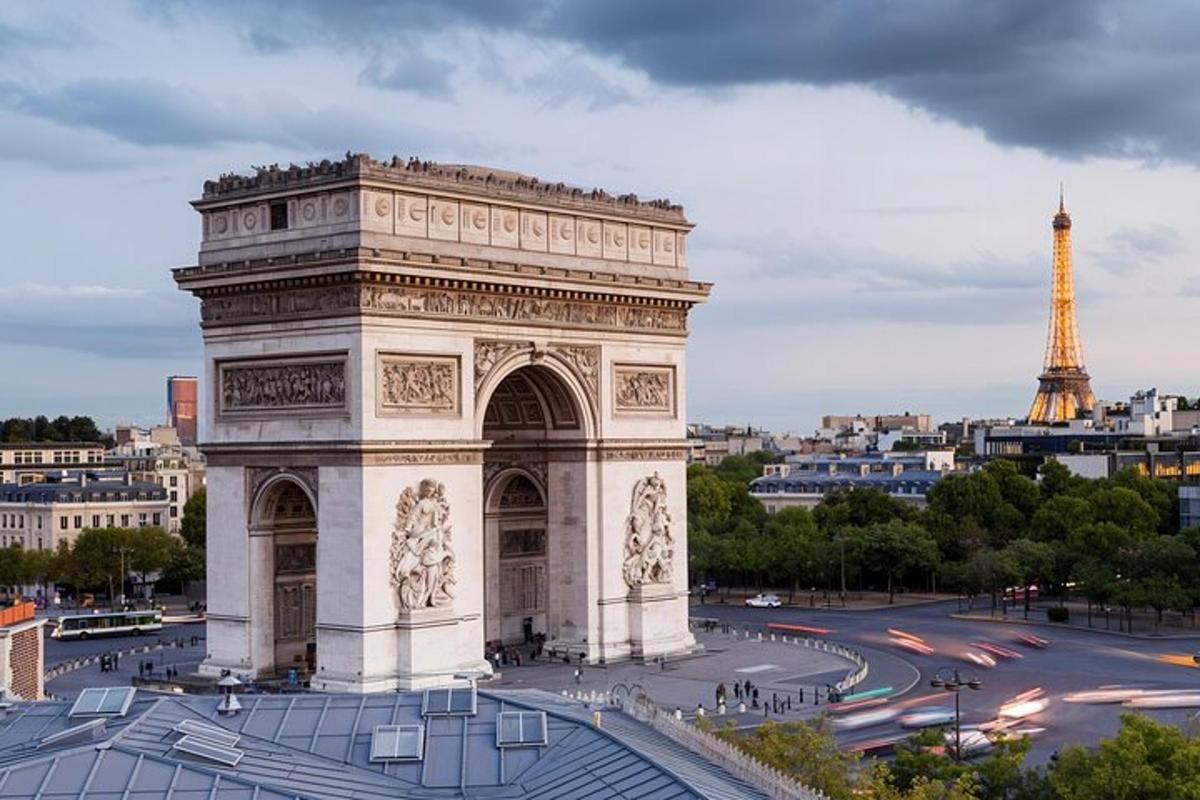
(953, 680)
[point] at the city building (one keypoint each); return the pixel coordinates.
(1064, 387)
(1189, 506)
(446, 402)
(456, 742)
(28, 462)
(22, 660)
(711, 446)
(182, 392)
(804, 481)
(157, 456)
(916, 422)
(39, 515)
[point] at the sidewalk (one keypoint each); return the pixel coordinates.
(1017, 618)
(855, 601)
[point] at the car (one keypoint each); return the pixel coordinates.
(764, 601)
(927, 717)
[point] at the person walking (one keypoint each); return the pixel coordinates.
(720, 694)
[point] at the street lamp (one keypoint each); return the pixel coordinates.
(953, 680)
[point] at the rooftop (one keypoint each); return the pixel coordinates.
(321, 747)
(431, 175)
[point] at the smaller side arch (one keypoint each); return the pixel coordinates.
(265, 493)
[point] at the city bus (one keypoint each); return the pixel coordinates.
(117, 623)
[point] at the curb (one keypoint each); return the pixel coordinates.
(838, 609)
(1058, 626)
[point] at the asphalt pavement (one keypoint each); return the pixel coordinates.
(1075, 660)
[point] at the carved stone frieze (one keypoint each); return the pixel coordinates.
(422, 559)
(281, 385)
(649, 545)
(416, 384)
(438, 303)
(641, 389)
(643, 454)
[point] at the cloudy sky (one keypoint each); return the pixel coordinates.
(872, 182)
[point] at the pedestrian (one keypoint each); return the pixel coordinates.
(578, 676)
(747, 687)
(720, 694)
(737, 691)
(141, 669)
(755, 696)
(517, 657)
(117, 661)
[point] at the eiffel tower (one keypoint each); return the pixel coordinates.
(1064, 387)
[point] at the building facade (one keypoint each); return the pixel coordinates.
(803, 482)
(28, 462)
(182, 396)
(22, 656)
(37, 516)
(447, 410)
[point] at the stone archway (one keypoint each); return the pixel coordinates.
(283, 531)
(537, 552)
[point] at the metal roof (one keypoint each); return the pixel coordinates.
(317, 746)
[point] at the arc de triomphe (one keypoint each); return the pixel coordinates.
(446, 410)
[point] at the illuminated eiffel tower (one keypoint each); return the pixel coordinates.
(1064, 387)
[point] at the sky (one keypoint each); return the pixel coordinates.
(872, 182)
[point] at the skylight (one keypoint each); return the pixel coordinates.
(213, 733)
(398, 743)
(456, 702)
(205, 748)
(521, 729)
(91, 729)
(112, 702)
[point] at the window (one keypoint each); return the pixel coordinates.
(109, 520)
(63, 522)
(95, 520)
(157, 518)
(279, 216)
(174, 481)
(78, 521)
(99, 702)
(141, 520)
(40, 547)
(124, 520)
(39, 521)
(174, 496)
(174, 511)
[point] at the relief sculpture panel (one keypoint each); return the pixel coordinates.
(415, 384)
(643, 389)
(301, 384)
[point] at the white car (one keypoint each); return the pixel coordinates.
(764, 601)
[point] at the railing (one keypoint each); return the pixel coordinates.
(18, 612)
(775, 783)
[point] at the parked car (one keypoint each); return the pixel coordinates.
(764, 601)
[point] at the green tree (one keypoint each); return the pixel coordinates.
(805, 750)
(1124, 507)
(895, 548)
(150, 550)
(193, 526)
(1145, 760)
(1056, 479)
(1059, 517)
(1032, 562)
(12, 567)
(96, 558)
(794, 544)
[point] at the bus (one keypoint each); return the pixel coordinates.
(117, 623)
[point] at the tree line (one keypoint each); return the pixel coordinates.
(41, 428)
(1114, 541)
(1146, 759)
(93, 562)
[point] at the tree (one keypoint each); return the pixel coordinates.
(1146, 759)
(97, 557)
(193, 526)
(794, 546)
(1059, 517)
(805, 750)
(858, 507)
(150, 550)
(894, 548)
(1056, 479)
(11, 567)
(1124, 507)
(1032, 562)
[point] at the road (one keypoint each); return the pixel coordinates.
(1074, 661)
(59, 651)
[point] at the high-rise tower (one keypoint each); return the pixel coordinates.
(1064, 388)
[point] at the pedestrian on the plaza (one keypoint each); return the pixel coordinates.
(720, 694)
(141, 668)
(578, 676)
(517, 657)
(755, 696)
(747, 687)
(117, 661)
(737, 691)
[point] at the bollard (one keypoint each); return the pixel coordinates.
(772, 637)
(760, 636)
(721, 710)
(742, 708)
(678, 714)
(699, 710)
